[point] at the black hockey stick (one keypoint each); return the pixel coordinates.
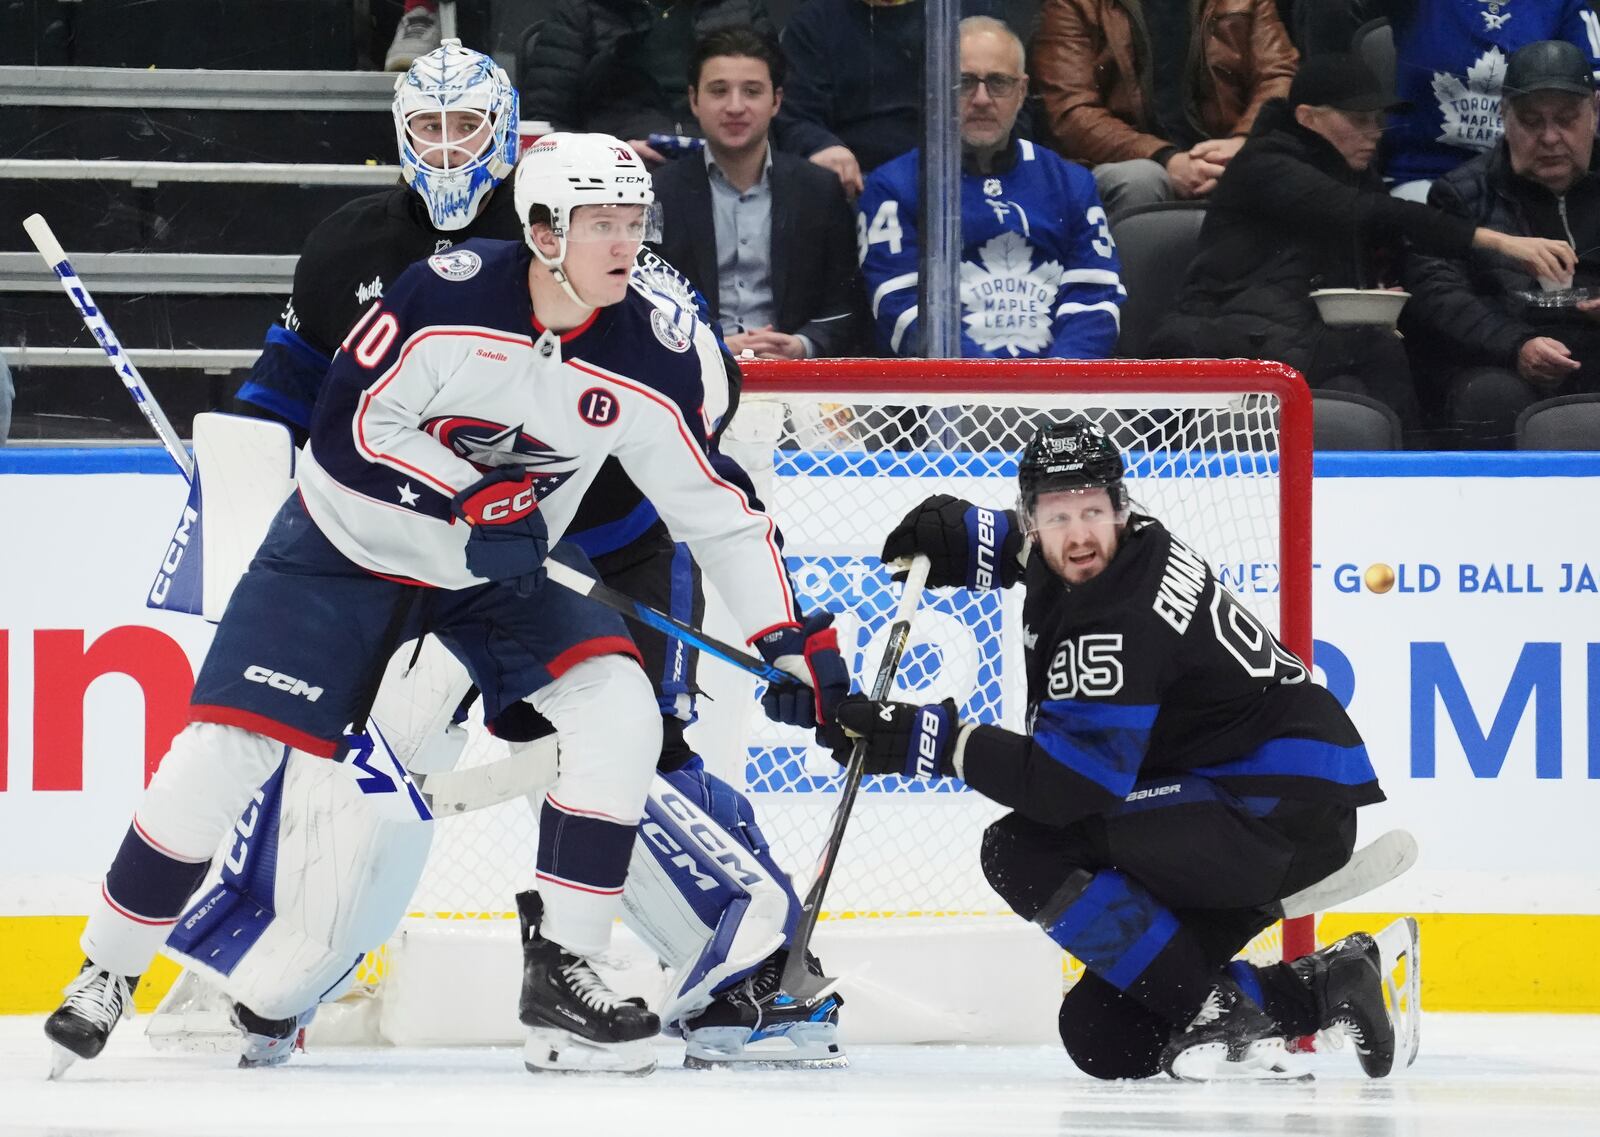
(798, 981)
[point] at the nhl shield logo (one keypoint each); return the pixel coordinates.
(668, 331)
(456, 264)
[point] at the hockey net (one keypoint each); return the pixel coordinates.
(840, 451)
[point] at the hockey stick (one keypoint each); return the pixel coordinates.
(54, 256)
(638, 610)
(1368, 867)
(451, 792)
(798, 981)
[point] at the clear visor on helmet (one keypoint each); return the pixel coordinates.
(449, 140)
(593, 224)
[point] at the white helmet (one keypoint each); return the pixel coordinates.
(453, 180)
(563, 171)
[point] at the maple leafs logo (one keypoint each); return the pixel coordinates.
(1470, 112)
(1006, 298)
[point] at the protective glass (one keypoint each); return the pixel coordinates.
(593, 224)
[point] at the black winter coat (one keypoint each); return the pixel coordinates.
(1289, 216)
(1462, 310)
(622, 66)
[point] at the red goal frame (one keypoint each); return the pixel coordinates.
(983, 377)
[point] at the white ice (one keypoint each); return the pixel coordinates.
(1478, 1074)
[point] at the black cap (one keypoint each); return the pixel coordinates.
(1341, 81)
(1548, 65)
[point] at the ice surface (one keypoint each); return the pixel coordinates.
(1478, 1074)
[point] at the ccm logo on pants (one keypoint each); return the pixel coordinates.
(258, 674)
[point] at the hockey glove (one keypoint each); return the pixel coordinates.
(810, 652)
(509, 539)
(967, 546)
(901, 738)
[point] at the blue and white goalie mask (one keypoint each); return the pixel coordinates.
(455, 120)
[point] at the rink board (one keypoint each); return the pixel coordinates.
(1474, 676)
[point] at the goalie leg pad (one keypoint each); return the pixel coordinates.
(321, 869)
(699, 896)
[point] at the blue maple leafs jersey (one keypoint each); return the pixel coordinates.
(1039, 272)
(1451, 63)
(449, 376)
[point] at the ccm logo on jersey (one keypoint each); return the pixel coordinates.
(277, 679)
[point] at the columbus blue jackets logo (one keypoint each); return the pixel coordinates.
(489, 444)
(456, 264)
(668, 331)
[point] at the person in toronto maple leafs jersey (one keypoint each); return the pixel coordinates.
(459, 425)
(1180, 773)
(1450, 63)
(1039, 272)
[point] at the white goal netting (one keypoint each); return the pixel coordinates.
(840, 452)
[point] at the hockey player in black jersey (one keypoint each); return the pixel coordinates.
(1181, 774)
(455, 123)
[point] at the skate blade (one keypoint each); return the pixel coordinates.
(1265, 1060)
(61, 1060)
(719, 1048)
(1400, 957)
(549, 1050)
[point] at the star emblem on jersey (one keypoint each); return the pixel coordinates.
(1006, 299)
(408, 496)
(1470, 112)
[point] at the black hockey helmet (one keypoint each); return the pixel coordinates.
(1071, 455)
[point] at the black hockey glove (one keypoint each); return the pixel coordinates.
(967, 546)
(812, 650)
(913, 741)
(509, 539)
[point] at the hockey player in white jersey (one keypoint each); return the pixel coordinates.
(462, 419)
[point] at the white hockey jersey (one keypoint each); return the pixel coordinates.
(449, 376)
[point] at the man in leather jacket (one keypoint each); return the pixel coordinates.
(1157, 95)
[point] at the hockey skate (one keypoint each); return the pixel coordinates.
(1358, 998)
(576, 1024)
(95, 1001)
(1230, 1039)
(269, 1042)
(755, 1024)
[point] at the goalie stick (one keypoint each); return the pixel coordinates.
(798, 980)
(50, 249)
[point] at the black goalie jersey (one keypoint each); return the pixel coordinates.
(1152, 668)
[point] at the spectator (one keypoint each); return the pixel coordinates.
(416, 34)
(617, 66)
(1039, 273)
(1300, 208)
(7, 394)
(1499, 354)
(1158, 97)
(1450, 62)
(767, 238)
(855, 93)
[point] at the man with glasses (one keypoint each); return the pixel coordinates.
(1503, 337)
(1157, 97)
(1039, 273)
